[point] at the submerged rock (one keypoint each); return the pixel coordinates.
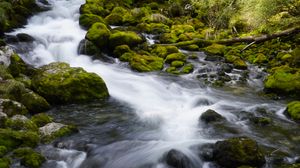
(61, 84)
(210, 116)
(54, 130)
(177, 159)
(235, 152)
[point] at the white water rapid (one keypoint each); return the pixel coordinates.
(174, 106)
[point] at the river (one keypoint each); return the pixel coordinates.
(148, 113)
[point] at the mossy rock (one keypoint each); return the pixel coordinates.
(157, 18)
(283, 80)
(61, 84)
(180, 29)
(260, 58)
(240, 64)
(3, 151)
(262, 121)
(168, 38)
(87, 47)
(13, 139)
(24, 79)
(177, 64)
(215, 49)
(29, 157)
(187, 69)
(115, 19)
(163, 51)
(192, 47)
(121, 49)
(87, 20)
(175, 57)
(98, 34)
(41, 119)
(21, 125)
(5, 162)
(93, 8)
(126, 57)
(235, 152)
(11, 107)
(153, 28)
(14, 90)
(173, 70)
(4, 73)
(293, 110)
(296, 165)
(18, 66)
(124, 38)
(146, 63)
(52, 131)
(295, 61)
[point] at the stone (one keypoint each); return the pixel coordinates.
(54, 130)
(293, 110)
(210, 116)
(5, 54)
(10, 107)
(177, 159)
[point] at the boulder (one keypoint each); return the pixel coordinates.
(23, 37)
(5, 54)
(10, 107)
(293, 110)
(211, 116)
(188, 68)
(29, 157)
(163, 51)
(98, 34)
(53, 130)
(61, 84)
(5, 162)
(124, 38)
(146, 63)
(235, 152)
(87, 47)
(87, 20)
(41, 119)
(177, 159)
(175, 57)
(215, 49)
(20, 123)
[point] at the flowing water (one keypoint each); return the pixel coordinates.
(148, 113)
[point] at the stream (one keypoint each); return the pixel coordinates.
(148, 114)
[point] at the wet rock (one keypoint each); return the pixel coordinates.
(86, 47)
(235, 152)
(87, 20)
(205, 152)
(211, 116)
(215, 49)
(214, 58)
(262, 121)
(5, 54)
(124, 38)
(61, 84)
(226, 68)
(23, 37)
(29, 157)
(293, 110)
(145, 63)
(99, 34)
(3, 118)
(21, 123)
(18, 67)
(177, 159)
(54, 130)
(41, 119)
(11, 107)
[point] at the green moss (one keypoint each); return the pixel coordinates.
(180, 29)
(5, 162)
(126, 57)
(192, 47)
(175, 57)
(11, 107)
(24, 79)
(34, 102)
(296, 165)
(260, 58)
(283, 80)
(124, 38)
(293, 110)
(177, 64)
(215, 49)
(60, 84)
(13, 139)
(168, 38)
(64, 131)
(4, 73)
(153, 28)
(3, 151)
(93, 8)
(121, 49)
(187, 69)
(87, 20)
(157, 18)
(145, 63)
(163, 51)
(115, 19)
(19, 125)
(263, 121)
(173, 70)
(18, 66)
(41, 119)
(98, 34)
(239, 64)
(29, 157)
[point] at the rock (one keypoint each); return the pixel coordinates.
(282, 80)
(146, 63)
(53, 130)
(175, 57)
(3, 151)
(163, 51)
(153, 28)
(120, 50)
(262, 121)
(98, 34)
(4, 74)
(10, 107)
(211, 116)
(20, 123)
(5, 162)
(124, 38)
(18, 66)
(13, 139)
(293, 110)
(3, 118)
(5, 54)
(29, 157)
(240, 64)
(87, 47)
(61, 84)
(23, 37)
(213, 58)
(41, 119)
(187, 69)
(235, 152)
(168, 38)
(158, 18)
(87, 20)
(177, 64)
(19, 117)
(215, 49)
(180, 29)
(226, 68)
(177, 159)
(206, 152)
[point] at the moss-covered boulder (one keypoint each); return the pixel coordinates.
(188, 68)
(29, 157)
(41, 119)
(98, 34)
(175, 57)
(11, 107)
(211, 116)
(18, 66)
(61, 84)
(121, 49)
(53, 130)
(14, 90)
(3, 151)
(12, 139)
(180, 29)
(146, 63)
(235, 152)
(283, 80)
(5, 162)
(20, 123)
(293, 110)
(4, 73)
(124, 38)
(87, 20)
(153, 28)
(94, 7)
(215, 49)
(168, 38)
(115, 19)
(177, 64)
(163, 51)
